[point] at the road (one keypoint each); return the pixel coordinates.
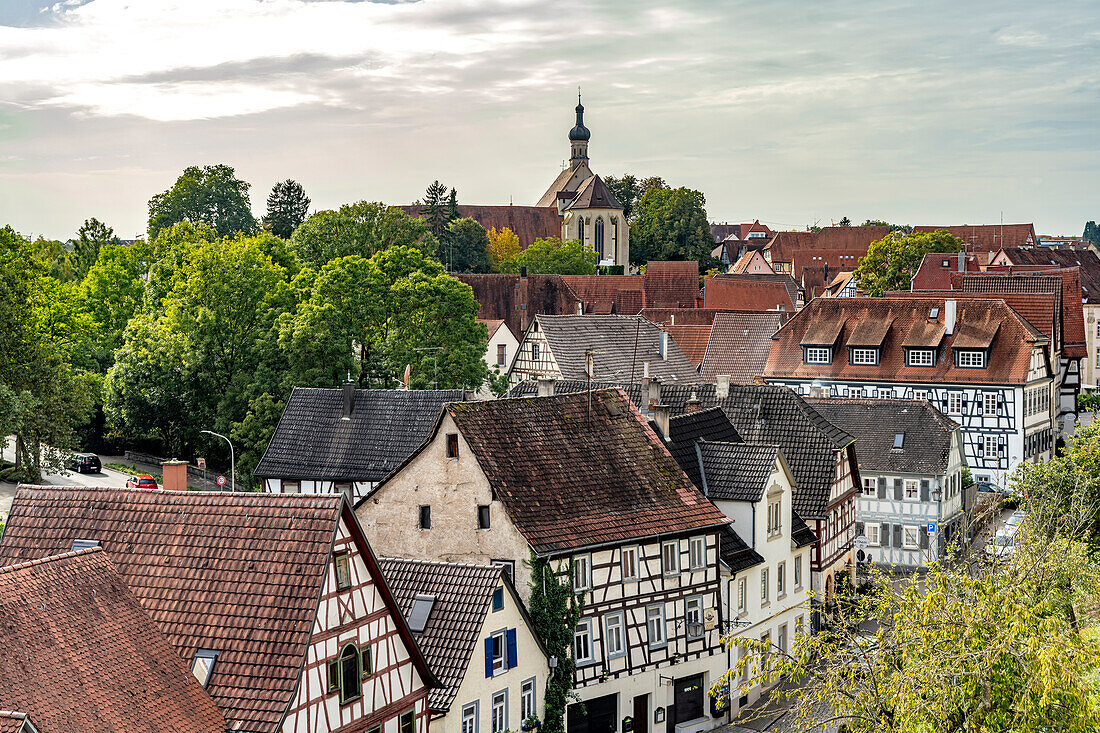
(108, 478)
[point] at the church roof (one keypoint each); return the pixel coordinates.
(594, 194)
(579, 131)
(550, 198)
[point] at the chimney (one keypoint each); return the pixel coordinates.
(174, 475)
(693, 404)
(523, 272)
(546, 387)
(662, 346)
(949, 310)
(654, 394)
(349, 400)
(962, 261)
(722, 388)
(660, 416)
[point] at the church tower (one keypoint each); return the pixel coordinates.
(578, 137)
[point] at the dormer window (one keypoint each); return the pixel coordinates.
(920, 357)
(818, 355)
(970, 359)
(864, 357)
(202, 665)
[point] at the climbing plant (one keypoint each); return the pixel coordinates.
(555, 610)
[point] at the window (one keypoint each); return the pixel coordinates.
(407, 722)
(202, 665)
(535, 352)
(500, 712)
(366, 659)
(421, 610)
(582, 641)
(870, 531)
(780, 581)
(344, 674)
(920, 394)
(921, 357)
(970, 359)
(781, 639)
(742, 588)
(498, 649)
(342, 487)
(912, 488)
(425, 517)
(764, 585)
(817, 355)
(798, 571)
(452, 445)
(291, 487)
(870, 486)
(989, 404)
(693, 617)
(774, 518)
(498, 598)
(580, 228)
(509, 567)
(614, 641)
(342, 564)
(992, 446)
(630, 563)
(483, 516)
(670, 558)
(899, 441)
(502, 354)
(527, 707)
(582, 572)
(84, 544)
(954, 403)
(697, 553)
(910, 537)
(599, 237)
(865, 356)
(655, 625)
(469, 718)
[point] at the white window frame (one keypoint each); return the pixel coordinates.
(995, 441)
(670, 558)
(870, 486)
(697, 553)
(911, 488)
(656, 626)
(583, 631)
(797, 571)
(764, 586)
(468, 722)
(693, 609)
(742, 594)
(871, 532)
(780, 579)
(583, 562)
(921, 357)
(864, 357)
(498, 725)
(970, 359)
(614, 635)
(500, 665)
(954, 403)
(920, 394)
(989, 404)
(818, 355)
(633, 564)
(528, 699)
(908, 531)
(775, 518)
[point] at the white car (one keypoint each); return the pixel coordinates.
(1003, 544)
(1016, 518)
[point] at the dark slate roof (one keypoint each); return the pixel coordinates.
(80, 654)
(737, 471)
(386, 427)
(735, 552)
(874, 423)
(685, 430)
(739, 345)
(462, 596)
(765, 414)
(571, 476)
(621, 346)
(801, 533)
(594, 194)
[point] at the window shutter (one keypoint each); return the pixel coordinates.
(965, 402)
(859, 529)
(981, 446)
(1000, 404)
(897, 489)
(884, 534)
(489, 657)
(923, 539)
(333, 667)
(512, 661)
(945, 406)
(882, 487)
(897, 535)
(924, 489)
(1002, 445)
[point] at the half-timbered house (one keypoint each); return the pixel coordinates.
(276, 603)
(582, 481)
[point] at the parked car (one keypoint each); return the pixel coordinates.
(142, 481)
(986, 487)
(1015, 519)
(85, 463)
(1002, 546)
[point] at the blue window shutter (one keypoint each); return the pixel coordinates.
(512, 649)
(489, 657)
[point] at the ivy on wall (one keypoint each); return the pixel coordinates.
(555, 610)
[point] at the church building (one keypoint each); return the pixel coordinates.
(588, 210)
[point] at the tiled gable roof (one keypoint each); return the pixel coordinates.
(571, 472)
(988, 237)
(737, 471)
(737, 292)
(685, 430)
(1059, 257)
(450, 638)
(926, 444)
(783, 245)
(933, 274)
(236, 573)
(621, 345)
(14, 722)
(739, 345)
(312, 441)
(683, 316)
(671, 284)
(594, 194)
(801, 534)
(530, 223)
(692, 340)
(492, 325)
(80, 654)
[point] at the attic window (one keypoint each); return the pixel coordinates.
(202, 665)
(452, 445)
(342, 565)
(933, 314)
(946, 263)
(899, 439)
(421, 610)
(84, 544)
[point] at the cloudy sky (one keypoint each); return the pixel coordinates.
(924, 112)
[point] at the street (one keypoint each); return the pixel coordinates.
(108, 478)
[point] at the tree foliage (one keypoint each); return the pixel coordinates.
(210, 195)
(555, 611)
(891, 262)
(503, 245)
(671, 224)
(552, 256)
(92, 236)
(1092, 232)
(361, 229)
(628, 189)
(465, 247)
(439, 208)
(287, 208)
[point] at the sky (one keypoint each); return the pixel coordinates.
(794, 113)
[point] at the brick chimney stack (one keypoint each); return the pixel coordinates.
(174, 475)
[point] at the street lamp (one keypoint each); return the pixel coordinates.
(232, 461)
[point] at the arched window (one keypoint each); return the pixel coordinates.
(345, 674)
(580, 228)
(599, 237)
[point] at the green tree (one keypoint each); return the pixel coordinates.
(210, 195)
(845, 222)
(465, 248)
(112, 293)
(90, 238)
(287, 208)
(891, 261)
(438, 208)
(552, 256)
(1092, 232)
(628, 189)
(362, 229)
(555, 611)
(252, 434)
(671, 224)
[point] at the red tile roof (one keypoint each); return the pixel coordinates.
(671, 284)
(13, 722)
(933, 274)
(1061, 257)
(739, 345)
(732, 292)
(572, 475)
(684, 316)
(491, 325)
(528, 222)
(838, 260)
(783, 245)
(741, 231)
(692, 340)
(600, 293)
(834, 319)
(80, 654)
(989, 237)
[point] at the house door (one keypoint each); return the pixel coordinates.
(689, 698)
(641, 714)
(593, 716)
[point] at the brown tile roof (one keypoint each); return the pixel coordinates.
(739, 345)
(550, 198)
(516, 300)
(80, 654)
(692, 340)
(733, 292)
(684, 316)
(933, 274)
(600, 293)
(741, 231)
(1062, 257)
(13, 722)
(528, 222)
(989, 237)
(491, 325)
(594, 194)
(783, 245)
(671, 284)
(572, 476)
(237, 573)
(838, 284)
(1009, 360)
(838, 260)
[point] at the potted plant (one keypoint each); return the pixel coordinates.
(532, 723)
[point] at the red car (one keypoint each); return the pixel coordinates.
(141, 481)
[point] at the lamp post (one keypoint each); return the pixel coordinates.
(232, 460)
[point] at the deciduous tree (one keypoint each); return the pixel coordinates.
(503, 245)
(362, 229)
(552, 256)
(210, 195)
(91, 237)
(465, 247)
(891, 261)
(671, 224)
